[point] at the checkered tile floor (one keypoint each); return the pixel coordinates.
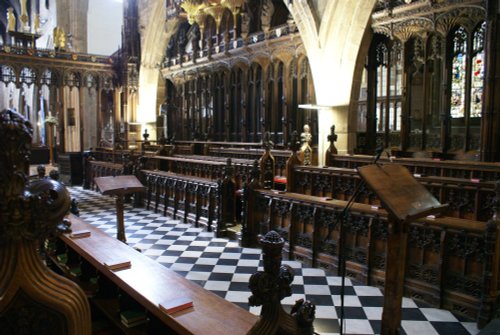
(221, 266)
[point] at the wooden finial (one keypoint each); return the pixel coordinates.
(332, 150)
(272, 285)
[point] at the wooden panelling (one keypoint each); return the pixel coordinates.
(446, 256)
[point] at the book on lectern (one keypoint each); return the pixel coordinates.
(176, 305)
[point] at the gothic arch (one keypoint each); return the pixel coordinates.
(334, 57)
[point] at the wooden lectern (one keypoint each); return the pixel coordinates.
(405, 200)
(119, 186)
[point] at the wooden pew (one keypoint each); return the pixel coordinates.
(189, 166)
(149, 284)
(196, 200)
(471, 170)
(208, 167)
(468, 199)
(241, 166)
(281, 156)
(449, 260)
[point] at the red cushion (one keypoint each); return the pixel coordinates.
(280, 179)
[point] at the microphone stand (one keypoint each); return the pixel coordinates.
(341, 219)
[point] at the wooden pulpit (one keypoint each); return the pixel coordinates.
(405, 200)
(119, 186)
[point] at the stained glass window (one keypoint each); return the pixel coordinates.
(382, 60)
(459, 62)
(477, 73)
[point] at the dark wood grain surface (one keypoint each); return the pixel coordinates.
(150, 283)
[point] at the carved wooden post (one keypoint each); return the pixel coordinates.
(50, 135)
(292, 161)
(490, 122)
(139, 165)
(267, 162)
(270, 286)
(491, 285)
(248, 224)
(87, 169)
(227, 199)
(332, 150)
(32, 296)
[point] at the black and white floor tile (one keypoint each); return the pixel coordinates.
(221, 266)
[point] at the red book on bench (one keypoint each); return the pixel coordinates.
(80, 233)
(176, 305)
(118, 264)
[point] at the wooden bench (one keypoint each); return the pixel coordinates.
(471, 170)
(281, 156)
(242, 167)
(196, 200)
(150, 283)
(188, 166)
(469, 199)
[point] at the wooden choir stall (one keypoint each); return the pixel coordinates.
(33, 299)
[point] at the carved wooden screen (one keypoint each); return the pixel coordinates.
(294, 119)
(279, 112)
(254, 103)
(307, 96)
(440, 111)
(270, 99)
(383, 78)
(235, 113)
(219, 108)
(416, 96)
(433, 105)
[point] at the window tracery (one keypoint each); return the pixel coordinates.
(459, 61)
(423, 91)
